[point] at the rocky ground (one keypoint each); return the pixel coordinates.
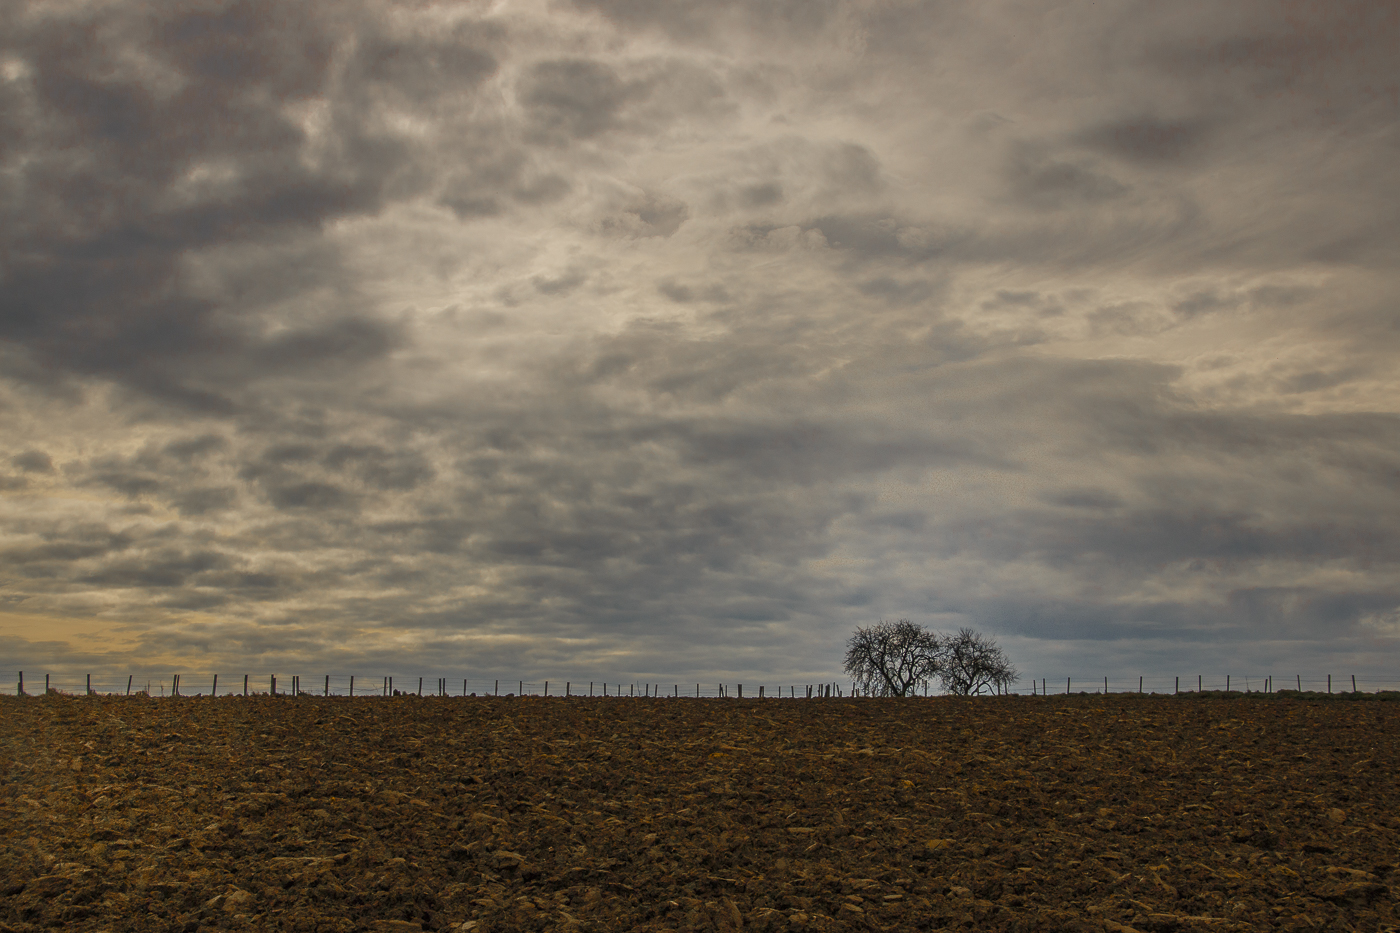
(1063, 813)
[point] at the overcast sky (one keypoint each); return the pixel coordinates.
(672, 339)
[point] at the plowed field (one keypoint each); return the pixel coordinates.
(1063, 813)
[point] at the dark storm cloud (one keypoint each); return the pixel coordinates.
(33, 461)
(203, 500)
(1148, 140)
(151, 138)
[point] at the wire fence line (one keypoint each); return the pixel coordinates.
(14, 683)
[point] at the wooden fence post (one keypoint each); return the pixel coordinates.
(1353, 683)
(128, 683)
(245, 685)
(352, 684)
(214, 688)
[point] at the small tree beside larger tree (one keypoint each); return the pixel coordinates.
(972, 663)
(894, 659)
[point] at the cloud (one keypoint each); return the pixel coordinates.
(1148, 140)
(614, 339)
(574, 99)
(33, 461)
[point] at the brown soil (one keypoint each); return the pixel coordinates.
(1068, 813)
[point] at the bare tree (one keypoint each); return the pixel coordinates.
(970, 663)
(892, 659)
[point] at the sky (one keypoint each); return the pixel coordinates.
(675, 339)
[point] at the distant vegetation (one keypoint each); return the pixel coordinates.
(897, 659)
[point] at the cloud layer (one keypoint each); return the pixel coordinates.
(672, 340)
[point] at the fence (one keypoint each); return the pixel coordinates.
(348, 685)
(1226, 683)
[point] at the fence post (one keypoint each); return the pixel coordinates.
(1067, 680)
(522, 689)
(1177, 688)
(1227, 683)
(1353, 683)
(546, 688)
(128, 683)
(1139, 683)
(352, 684)
(245, 685)
(21, 684)
(214, 688)
(1198, 683)
(1329, 683)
